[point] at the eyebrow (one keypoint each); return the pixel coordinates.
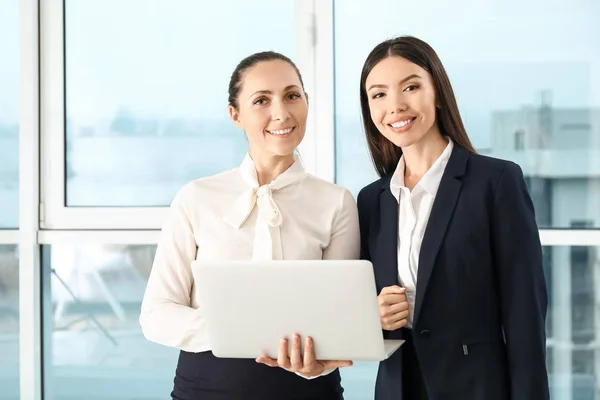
(270, 92)
(401, 82)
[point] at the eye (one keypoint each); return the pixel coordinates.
(378, 95)
(411, 88)
(261, 101)
(294, 96)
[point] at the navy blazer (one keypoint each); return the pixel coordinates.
(479, 317)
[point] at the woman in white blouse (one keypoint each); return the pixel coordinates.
(268, 208)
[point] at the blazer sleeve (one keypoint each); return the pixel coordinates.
(522, 287)
(363, 223)
(366, 203)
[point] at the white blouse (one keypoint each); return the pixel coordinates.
(414, 208)
(229, 217)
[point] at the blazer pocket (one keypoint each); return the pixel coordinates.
(483, 339)
(473, 343)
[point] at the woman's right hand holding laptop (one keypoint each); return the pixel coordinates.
(302, 362)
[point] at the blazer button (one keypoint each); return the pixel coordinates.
(424, 333)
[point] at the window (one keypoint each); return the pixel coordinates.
(92, 298)
(572, 339)
(521, 71)
(9, 113)
(132, 104)
(501, 85)
(519, 139)
(571, 363)
(9, 322)
(359, 380)
(583, 265)
(9, 199)
(145, 101)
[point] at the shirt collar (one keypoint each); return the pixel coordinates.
(430, 182)
(432, 178)
(295, 173)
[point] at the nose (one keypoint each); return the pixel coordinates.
(279, 111)
(398, 104)
(399, 109)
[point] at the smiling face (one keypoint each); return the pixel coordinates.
(402, 101)
(272, 108)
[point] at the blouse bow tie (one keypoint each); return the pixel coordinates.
(267, 235)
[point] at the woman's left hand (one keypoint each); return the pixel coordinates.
(303, 364)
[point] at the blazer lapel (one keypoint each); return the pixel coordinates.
(388, 239)
(441, 213)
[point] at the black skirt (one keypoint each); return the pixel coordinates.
(202, 376)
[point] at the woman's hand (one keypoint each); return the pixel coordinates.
(393, 308)
(303, 363)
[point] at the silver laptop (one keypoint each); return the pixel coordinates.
(249, 306)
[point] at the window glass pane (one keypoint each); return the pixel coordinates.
(9, 322)
(9, 113)
(359, 380)
(573, 323)
(93, 343)
(528, 92)
(146, 92)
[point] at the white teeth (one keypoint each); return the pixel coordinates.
(281, 131)
(402, 123)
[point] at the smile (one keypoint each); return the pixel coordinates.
(402, 126)
(281, 132)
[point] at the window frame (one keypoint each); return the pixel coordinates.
(44, 220)
(54, 214)
(549, 237)
(9, 236)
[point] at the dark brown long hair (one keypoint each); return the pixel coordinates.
(384, 154)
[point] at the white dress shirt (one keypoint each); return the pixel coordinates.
(413, 214)
(229, 217)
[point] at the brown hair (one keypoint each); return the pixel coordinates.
(235, 82)
(384, 154)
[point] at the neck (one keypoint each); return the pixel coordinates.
(420, 156)
(269, 167)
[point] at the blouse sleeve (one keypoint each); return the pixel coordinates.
(167, 317)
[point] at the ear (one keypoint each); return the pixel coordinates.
(234, 114)
(306, 95)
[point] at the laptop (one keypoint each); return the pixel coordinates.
(249, 306)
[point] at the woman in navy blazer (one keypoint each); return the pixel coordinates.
(453, 240)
